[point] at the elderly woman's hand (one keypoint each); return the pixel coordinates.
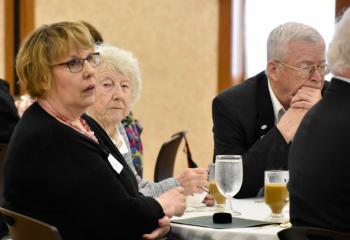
(209, 200)
(162, 230)
(194, 180)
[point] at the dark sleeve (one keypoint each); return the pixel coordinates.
(83, 181)
(8, 113)
(230, 137)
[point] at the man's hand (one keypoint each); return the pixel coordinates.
(303, 100)
(306, 97)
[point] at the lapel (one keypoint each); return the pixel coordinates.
(265, 115)
(105, 143)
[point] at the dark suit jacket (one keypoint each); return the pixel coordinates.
(244, 124)
(8, 113)
(57, 175)
(319, 163)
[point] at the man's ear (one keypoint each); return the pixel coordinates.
(272, 70)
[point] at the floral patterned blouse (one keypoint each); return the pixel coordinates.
(133, 130)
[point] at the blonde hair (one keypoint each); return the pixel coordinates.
(42, 47)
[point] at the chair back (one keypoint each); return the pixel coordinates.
(26, 228)
(311, 233)
(166, 157)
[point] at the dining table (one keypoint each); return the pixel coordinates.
(190, 226)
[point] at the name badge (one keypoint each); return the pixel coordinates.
(116, 165)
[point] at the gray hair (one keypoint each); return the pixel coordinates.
(122, 61)
(282, 35)
(339, 49)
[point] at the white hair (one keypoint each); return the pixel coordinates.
(282, 35)
(338, 55)
(124, 62)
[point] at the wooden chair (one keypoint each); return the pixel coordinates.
(311, 233)
(26, 228)
(166, 157)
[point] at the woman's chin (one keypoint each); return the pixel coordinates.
(117, 119)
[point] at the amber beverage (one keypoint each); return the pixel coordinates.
(276, 195)
(213, 190)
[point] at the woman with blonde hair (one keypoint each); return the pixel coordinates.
(57, 170)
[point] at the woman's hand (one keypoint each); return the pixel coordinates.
(173, 202)
(193, 180)
(162, 230)
(209, 200)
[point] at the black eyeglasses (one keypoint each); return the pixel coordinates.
(308, 71)
(77, 64)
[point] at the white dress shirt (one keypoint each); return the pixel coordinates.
(278, 108)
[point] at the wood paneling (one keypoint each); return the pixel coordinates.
(340, 6)
(9, 43)
(228, 23)
(19, 21)
(224, 45)
(27, 23)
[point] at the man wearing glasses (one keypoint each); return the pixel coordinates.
(258, 118)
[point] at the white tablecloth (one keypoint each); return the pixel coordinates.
(250, 208)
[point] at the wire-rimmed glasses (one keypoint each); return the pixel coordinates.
(76, 65)
(308, 71)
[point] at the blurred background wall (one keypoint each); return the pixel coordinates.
(176, 45)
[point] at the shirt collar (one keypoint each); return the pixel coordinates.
(276, 104)
(342, 78)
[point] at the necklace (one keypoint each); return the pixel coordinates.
(81, 126)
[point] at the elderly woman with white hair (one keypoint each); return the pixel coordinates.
(118, 88)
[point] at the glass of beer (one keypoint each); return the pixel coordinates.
(276, 193)
(213, 189)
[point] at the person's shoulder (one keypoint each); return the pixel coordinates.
(4, 85)
(39, 124)
(5, 91)
(34, 130)
(35, 120)
(246, 89)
